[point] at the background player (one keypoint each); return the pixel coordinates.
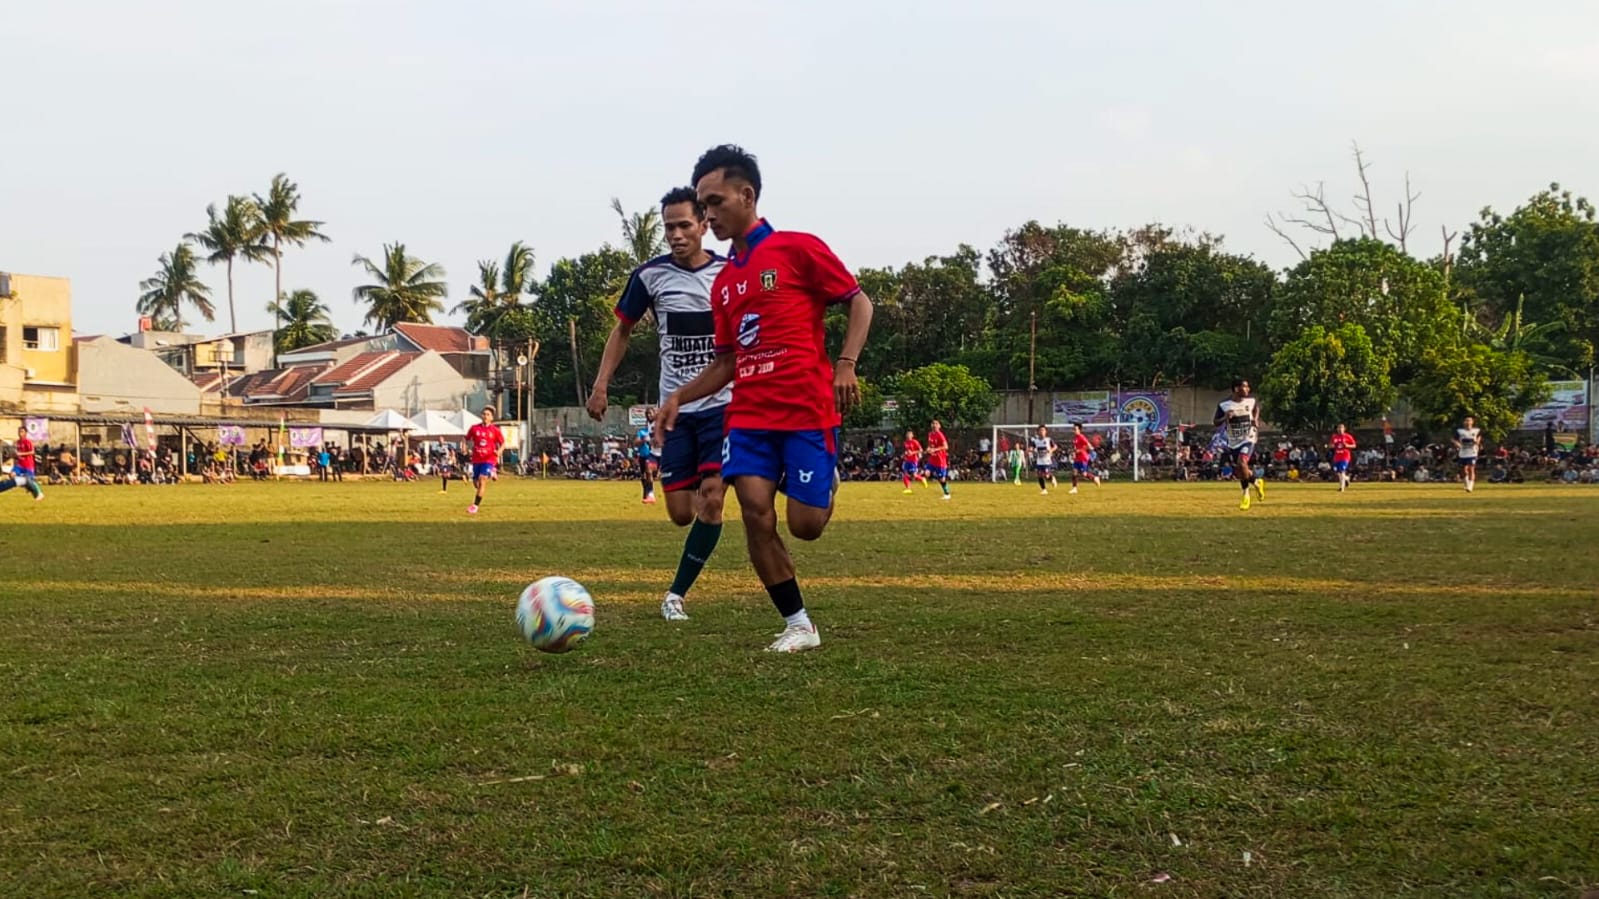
(644, 449)
(1239, 417)
(1468, 439)
(676, 288)
(24, 471)
(1343, 452)
(938, 456)
(1016, 458)
(487, 441)
(1043, 447)
(910, 465)
(1082, 457)
(782, 425)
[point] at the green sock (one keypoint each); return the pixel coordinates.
(945, 485)
(697, 549)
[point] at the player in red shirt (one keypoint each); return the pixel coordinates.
(24, 471)
(1343, 446)
(767, 306)
(938, 456)
(910, 465)
(1082, 456)
(486, 441)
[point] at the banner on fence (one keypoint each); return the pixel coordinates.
(230, 435)
(305, 438)
(38, 429)
(1566, 409)
(1151, 409)
(638, 416)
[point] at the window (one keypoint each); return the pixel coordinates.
(44, 339)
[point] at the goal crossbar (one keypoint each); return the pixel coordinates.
(1024, 431)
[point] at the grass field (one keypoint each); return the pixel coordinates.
(315, 690)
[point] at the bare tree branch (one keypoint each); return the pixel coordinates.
(1368, 224)
(1277, 229)
(1315, 203)
(1449, 261)
(1405, 226)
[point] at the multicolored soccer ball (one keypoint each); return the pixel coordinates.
(555, 614)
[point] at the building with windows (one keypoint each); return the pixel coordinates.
(36, 356)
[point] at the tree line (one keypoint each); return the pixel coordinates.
(1336, 337)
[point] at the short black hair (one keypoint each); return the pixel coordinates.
(1239, 382)
(733, 161)
(683, 195)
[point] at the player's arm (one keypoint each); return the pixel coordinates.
(846, 387)
(610, 360)
(1221, 416)
(711, 379)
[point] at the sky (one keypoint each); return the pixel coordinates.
(894, 130)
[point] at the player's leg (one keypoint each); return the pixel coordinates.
(1077, 471)
(810, 459)
(1043, 478)
(943, 479)
(645, 480)
(480, 479)
(906, 469)
(691, 476)
(753, 462)
(1246, 477)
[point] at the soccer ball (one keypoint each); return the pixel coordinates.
(555, 614)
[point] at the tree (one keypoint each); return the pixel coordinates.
(407, 289)
(497, 297)
(175, 284)
(949, 393)
(236, 233)
(277, 224)
(1538, 340)
(1325, 377)
(584, 290)
(641, 232)
(1399, 301)
(1493, 387)
(1319, 216)
(1543, 256)
(867, 415)
(306, 321)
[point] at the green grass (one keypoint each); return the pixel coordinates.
(309, 690)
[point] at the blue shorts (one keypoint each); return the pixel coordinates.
(801, 463)
(1340, 467)
(1081, 467)
(482, 470)
(1241, 452)
(909, 468)
(938, 472)
(693, 449)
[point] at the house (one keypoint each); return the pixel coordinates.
(468, 354)
(116, 377)
(407, 381)
(36, 365)
(274, 387)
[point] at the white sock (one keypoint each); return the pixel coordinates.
(799, 618)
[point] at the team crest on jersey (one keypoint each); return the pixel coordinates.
(749, 330)
(769, 279)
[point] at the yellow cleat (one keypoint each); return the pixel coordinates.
(907, 490)
(1244, 504)
(1260, 488)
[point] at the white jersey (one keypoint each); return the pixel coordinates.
(1043, 451)
(1238, 421)
(681, 301)
(1469, 439)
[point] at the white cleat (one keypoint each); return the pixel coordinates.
(796, 638)
(1072, 491)
(1043, 493)
(945, 497)
(672, 608)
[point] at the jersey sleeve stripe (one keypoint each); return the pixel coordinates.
(845, 297)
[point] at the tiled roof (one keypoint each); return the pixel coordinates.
(289, 384)
(440, 338)
(326, 347)
(365, 371)
(208, 381)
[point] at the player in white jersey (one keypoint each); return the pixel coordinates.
(677, 289)
(1468, 441)
(1238, 417)
(1042, 448)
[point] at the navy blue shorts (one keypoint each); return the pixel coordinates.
(909, 468)
(937, 472)
(693, 449)
(1080, 467)
(801, 463)
(482, 470)
(1340, 466)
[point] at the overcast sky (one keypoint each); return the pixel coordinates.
(895, 130)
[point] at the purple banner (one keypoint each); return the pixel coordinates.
(305, 438)
(230, 435)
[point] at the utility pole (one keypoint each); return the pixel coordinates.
(1032, 363)
(577, 368)
(527, 406)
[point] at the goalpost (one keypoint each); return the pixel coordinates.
(1118, 435)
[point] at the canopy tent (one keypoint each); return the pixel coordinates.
(463, 419)
(390, 420)
(436, 424)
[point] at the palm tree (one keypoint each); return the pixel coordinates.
(306, 321)
(1515, 334)
(499, 290)
(236, 233)
(174, 284)
(407, 289)
(277, 222)
(641, 232)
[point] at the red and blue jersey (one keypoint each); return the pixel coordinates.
(486, 442)
(768, 306)
(1342, 446)
(937, 449)
(25, 455)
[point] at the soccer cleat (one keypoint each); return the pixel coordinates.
(649, 500)
(1043, 492)
(472, 509)
(1096, 480)
(796, 638)
(906, 491)
(672, 608)
(1260, 489)
(1072, 491)
(945, 497)
(1244, 503)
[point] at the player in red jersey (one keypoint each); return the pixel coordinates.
(910, 464)
(24, 471)
(1343, 452)
(486, 441)
(938, 456)
(1082, 456)
(782, 424)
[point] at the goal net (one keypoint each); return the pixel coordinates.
(1114, 442)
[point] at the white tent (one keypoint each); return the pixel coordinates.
(436, 424)
(464, 419)
(390, 420)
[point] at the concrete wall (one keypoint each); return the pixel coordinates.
(429, 383)
(44, 302)
(115, 377)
